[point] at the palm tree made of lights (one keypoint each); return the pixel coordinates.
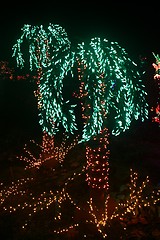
(111, 92)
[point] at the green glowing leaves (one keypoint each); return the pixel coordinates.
(45, 45)
(50, 55)
(110, 89)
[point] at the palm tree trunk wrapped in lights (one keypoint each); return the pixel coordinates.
(97, 155)
(97, 171)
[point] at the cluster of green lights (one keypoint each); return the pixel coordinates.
(51, 56)
(110, 85)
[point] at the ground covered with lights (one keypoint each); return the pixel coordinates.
(51, 200)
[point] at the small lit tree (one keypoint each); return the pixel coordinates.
(156, 66)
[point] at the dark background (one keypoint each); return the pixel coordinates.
(133, 25)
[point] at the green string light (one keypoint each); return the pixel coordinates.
(111, 87)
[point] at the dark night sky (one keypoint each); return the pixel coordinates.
(134, 27)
